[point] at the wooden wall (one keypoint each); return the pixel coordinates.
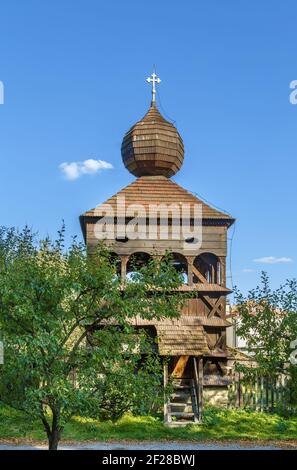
(214, 240)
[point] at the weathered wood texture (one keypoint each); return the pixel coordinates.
(199, 307)
(200, 386)
(156, 190)
(158, 216)
(180, 366)
(260, 394)
(213, 240)
(167, 416)
(153, 146)
(181, 339)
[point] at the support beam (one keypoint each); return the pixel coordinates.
(223, 271)
(124, 262)
(167, 415)
(180, 366)
(190, 270)
(214, 306)
(200, 388)
(213, 274)
(199, 275)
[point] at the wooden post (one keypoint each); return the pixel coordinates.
(167, 415)
(234, 391)
(247, 394)
(124, 261)
(231, 393)
(223, 270)
(244, 394)
(190, 270)
(262, 395)
(196, 384)
(212, 274)
(200, 388)
(252, 394)
(256, 394)
(239, 391)
(283, 389)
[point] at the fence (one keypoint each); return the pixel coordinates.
(261, 394)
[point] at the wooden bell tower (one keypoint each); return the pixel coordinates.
(195, 344)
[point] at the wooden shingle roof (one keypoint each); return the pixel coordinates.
(156, 190)
(153, 146)
(182, 336)
(179, 336)
(181, 339)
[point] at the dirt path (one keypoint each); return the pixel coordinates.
(151, 445)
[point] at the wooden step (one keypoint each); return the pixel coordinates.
(181, 379)
(175, 424)
(181, 387)
(182, 414)
(180, 403)
(181, 397)
(181, 408)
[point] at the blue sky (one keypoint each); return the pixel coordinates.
(74, 82)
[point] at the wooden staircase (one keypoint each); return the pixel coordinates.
(182, 408)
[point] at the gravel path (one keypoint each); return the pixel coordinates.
(146, 446)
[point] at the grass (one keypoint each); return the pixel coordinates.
(219, 424)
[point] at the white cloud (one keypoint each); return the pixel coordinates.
(273, 260)
(248, 270)
(75, 170)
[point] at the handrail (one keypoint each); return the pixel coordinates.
(196, 383)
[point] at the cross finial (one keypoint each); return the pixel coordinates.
(153, 79)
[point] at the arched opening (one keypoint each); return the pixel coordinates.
(179, 262)
(136, 261)
(209, 266)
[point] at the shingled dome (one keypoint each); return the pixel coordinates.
(153, 146)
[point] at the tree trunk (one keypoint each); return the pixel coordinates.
(53, 439)
(54, 431)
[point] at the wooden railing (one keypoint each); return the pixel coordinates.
(261, 394)
(198, 383)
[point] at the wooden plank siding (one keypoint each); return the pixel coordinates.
(214, 240)
(196, 307)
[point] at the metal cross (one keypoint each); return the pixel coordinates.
(153, 79)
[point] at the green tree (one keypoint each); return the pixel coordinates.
(66, 318)
(268, 324)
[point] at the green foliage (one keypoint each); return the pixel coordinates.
(291, 387)
(211, 416)
(223, 425)
(281, 426)
(64, 312)
(140, 391)
(268, 323)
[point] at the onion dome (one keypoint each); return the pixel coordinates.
(153, 146)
